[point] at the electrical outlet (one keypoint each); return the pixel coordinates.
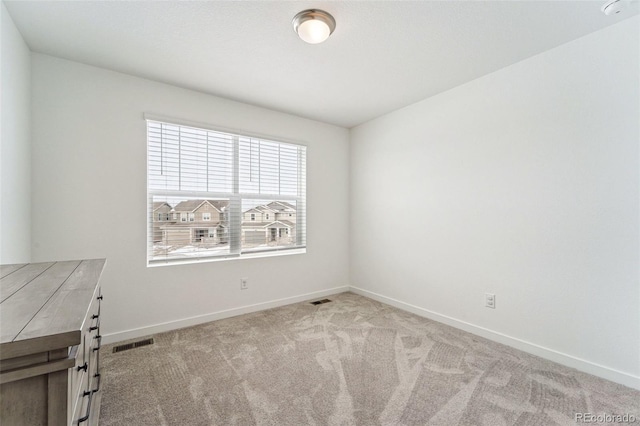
(244, 283)
(490, 300)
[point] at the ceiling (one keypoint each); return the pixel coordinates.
(383, 55)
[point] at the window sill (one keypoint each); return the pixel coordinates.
(246, 255)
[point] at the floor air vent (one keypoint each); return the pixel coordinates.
(133, 345)
(320, 302)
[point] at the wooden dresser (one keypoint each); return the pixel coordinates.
(50, 344)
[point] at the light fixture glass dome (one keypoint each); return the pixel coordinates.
(314, 26)
(313, 31)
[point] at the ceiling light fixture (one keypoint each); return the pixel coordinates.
(314, 26)
(612, 7)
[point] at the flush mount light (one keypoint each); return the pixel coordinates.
(612, 7)
(314, 26)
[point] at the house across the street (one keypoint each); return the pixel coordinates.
(205, 223)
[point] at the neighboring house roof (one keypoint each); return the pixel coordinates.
(262, 225)
(248, 224)
(188, 226)
(220, 205)
(193, 205)
(261, 209)
(273, 207)
(280, 206)
(265, 209)
(158, 204)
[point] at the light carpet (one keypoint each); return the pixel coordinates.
(353, 361)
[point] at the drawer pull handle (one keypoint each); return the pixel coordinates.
(99, 297)
(95, 316)
(88, 412)
(98, 376)
(82, 367)
(97, 348)
(95, 327)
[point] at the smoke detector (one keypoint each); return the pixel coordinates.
(612, 7)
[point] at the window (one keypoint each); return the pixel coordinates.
(235, 176)
(266, 216)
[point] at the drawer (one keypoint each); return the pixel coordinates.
(91, 328)
(77, 379)
(83, 377)
(81, 412)
(92, 320)
(88, 395)
(94, 364)
(95, 341)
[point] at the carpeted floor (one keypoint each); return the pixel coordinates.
(353, 361)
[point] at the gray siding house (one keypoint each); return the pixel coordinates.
(191, 222)
(204, 223)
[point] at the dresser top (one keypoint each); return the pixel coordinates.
(43, 305)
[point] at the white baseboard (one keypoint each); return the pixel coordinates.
(550, 354)
(201, 319)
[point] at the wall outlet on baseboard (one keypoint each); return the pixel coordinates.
(490, 300)
(244, 283)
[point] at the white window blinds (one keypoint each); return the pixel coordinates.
(213, 194)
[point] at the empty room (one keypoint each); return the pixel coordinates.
(320, 213)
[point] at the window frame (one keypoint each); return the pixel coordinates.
(235, 198)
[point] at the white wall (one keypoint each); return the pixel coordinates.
(15, 145)
(89, 198)
(523, 183)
